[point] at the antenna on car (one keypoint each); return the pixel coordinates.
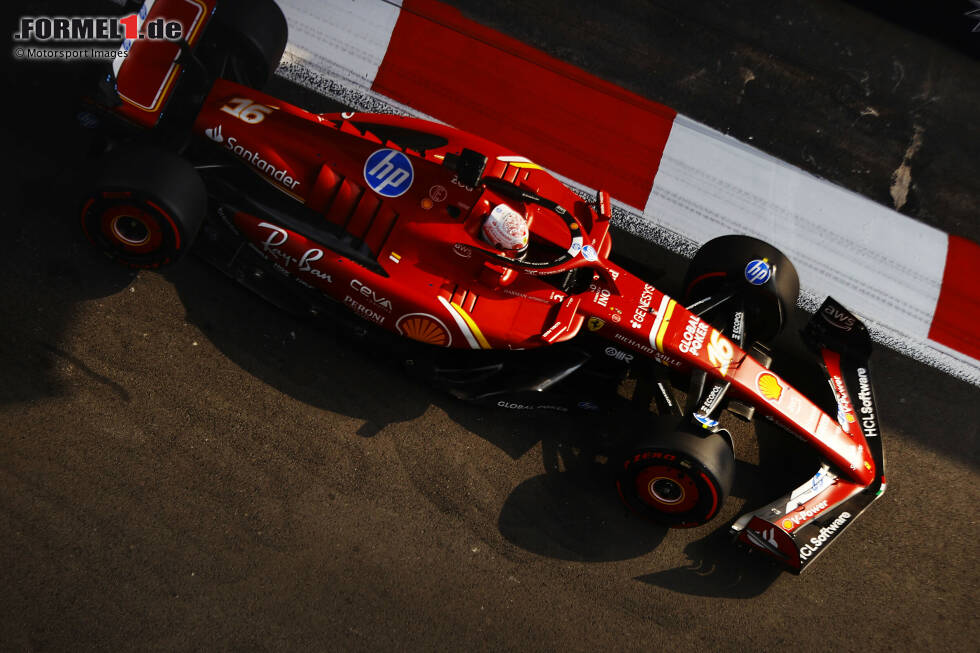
(468, 164)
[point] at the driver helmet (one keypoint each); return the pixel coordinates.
(505, 229)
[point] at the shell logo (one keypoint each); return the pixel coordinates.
(424, 328)
(769, 386)
(788, 524)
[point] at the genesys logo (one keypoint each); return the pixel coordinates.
(81, 29)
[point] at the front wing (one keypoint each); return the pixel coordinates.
(798, 527)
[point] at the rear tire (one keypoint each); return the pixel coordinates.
(678, 479)
(761, 275)
(252, 34)
(144, 207)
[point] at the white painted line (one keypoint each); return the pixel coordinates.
(344, 39)
(460, 323)
(872, 260)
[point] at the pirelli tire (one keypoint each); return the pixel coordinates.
(251, 36)
(678, 479)
(763, 276)
(143, 207)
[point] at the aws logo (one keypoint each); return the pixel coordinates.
(838, 317)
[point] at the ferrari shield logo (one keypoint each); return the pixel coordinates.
(595, 324)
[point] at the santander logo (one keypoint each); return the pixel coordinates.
(214, 133)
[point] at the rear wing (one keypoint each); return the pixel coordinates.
(146, 74)
(798, 527)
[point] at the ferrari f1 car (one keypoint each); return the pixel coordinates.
(376, 221)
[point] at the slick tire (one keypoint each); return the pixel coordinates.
(759, 273)
(143, 207)
(253, 35)
(677, 479)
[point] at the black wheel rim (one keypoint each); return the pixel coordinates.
(130, 230)
(667, 490)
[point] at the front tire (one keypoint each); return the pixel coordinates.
(678, 479)
(753, 269)
(144, 207)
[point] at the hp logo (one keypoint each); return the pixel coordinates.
(388, 173)
(758, 272)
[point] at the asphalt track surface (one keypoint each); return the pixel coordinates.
(182, 466)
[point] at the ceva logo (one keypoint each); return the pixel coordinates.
(388, 173)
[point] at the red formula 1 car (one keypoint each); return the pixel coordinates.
(378, 221)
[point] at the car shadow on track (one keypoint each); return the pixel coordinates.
(46, 267)
(716, 566)
(570, 512)
(306, 363)
(714, 570)
(769, 463)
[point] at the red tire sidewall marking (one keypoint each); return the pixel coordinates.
(173, 224)
(714, 497)
(85, 209)
(696, 281)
